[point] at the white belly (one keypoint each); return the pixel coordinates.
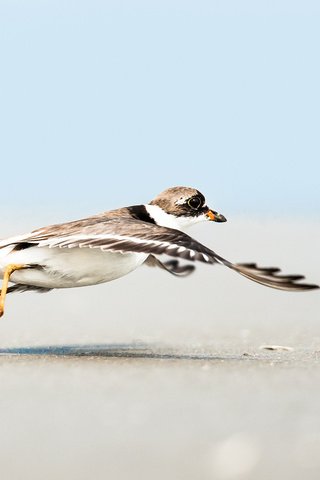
(69, 267)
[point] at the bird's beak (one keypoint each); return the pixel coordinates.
(215, 216)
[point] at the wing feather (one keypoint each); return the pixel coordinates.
(132, 235)
(172, 266)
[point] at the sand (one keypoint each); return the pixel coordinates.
(156, 377)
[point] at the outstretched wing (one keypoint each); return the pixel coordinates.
(118, 235)
(131, 235)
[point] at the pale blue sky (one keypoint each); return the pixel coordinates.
(106, 103)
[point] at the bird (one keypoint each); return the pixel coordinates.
(109, 245)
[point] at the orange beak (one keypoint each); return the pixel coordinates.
(215, 216)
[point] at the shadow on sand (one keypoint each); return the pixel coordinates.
(131, 350)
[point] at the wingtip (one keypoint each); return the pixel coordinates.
(311, 286)
(270, 277)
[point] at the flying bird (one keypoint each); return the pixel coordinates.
(112, 244)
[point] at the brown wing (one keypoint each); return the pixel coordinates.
(131, 235)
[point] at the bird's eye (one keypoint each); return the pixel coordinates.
(194, 203)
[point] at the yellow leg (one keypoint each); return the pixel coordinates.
(6, 277)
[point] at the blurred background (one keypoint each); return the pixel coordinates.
(105, 104)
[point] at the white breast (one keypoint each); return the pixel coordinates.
(64, 267)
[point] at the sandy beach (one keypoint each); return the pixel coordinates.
(156, 377)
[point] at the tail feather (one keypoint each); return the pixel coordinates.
(20, 288)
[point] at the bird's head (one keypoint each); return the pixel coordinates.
(181, 207)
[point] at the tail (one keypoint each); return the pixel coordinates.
(19, 287)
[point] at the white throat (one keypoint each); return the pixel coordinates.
(171, 221)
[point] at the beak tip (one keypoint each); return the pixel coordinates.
(216, 217)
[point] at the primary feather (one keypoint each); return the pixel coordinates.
(130, 235)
